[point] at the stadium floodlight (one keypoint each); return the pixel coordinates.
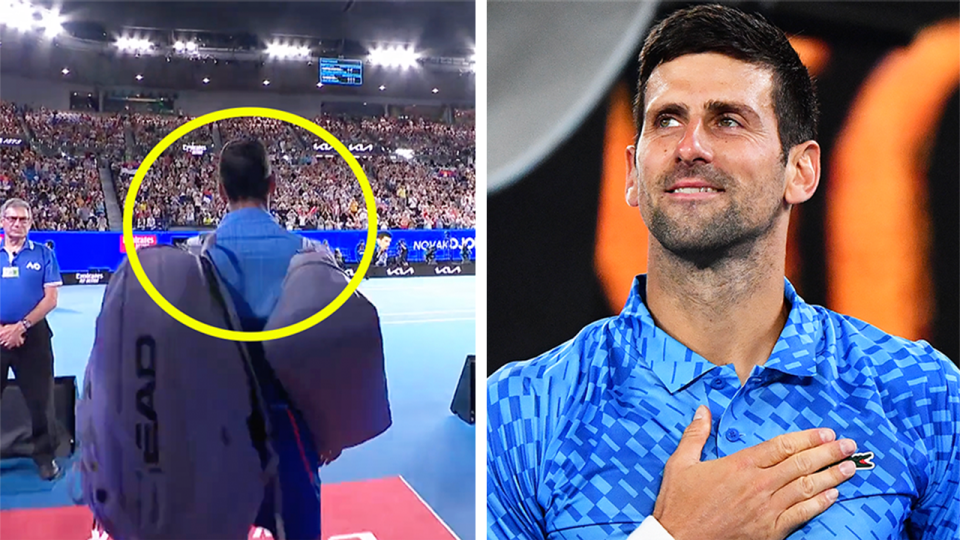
(179, 46)
(52, 23)
(19, 15)
(382, 88)
(206, 80)
(65, 71)
(435, 90)
(192, 46)
(395, 57)
(284, 51)
(319, 85)
(266, 82)
(139, 77)
(137, 45)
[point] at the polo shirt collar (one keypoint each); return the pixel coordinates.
(794, 353)
(26, 245)
(245, 214)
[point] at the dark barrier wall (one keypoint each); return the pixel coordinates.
(82, 251)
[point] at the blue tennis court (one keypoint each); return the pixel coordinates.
(428, 330)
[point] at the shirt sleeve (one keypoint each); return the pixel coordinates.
(512, 508)
(650, 529)
(51, 269)
(937, 516)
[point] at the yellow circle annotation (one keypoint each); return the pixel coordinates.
(222, 333)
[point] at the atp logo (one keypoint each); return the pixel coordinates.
(33, 265)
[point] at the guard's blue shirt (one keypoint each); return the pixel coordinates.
(252, 253)
(24, 278)
(577, 438)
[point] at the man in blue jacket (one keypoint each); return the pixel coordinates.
(252, 253)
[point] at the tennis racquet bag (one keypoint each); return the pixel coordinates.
(173, 436)
(334, 371)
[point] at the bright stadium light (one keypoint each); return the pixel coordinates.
(65, 71)
(395, 57)
(435, 90)
(137, 45)
(139, 77)
(191, 46)
(179, 46)
(284, 51)
(319, 85)
(19, 15)
(382, 88)
(52, 24)
(206, 80)
(266, 82)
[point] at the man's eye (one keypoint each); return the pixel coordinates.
(666, 121)
(728, 122)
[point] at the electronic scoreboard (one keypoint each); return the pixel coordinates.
(341, 71)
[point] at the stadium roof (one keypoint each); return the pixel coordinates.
(230, 43)
(444, 27)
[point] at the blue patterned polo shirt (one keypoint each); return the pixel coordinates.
(577, 438)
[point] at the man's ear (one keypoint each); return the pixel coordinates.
(803, 172)
(631, 187)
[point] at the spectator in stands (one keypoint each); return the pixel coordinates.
(434, 188)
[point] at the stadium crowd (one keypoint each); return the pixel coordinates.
(64, 192)
(9, 126)
(70, 132)
(431, 188)
(180, 191)
(150, 129)
(275, 134)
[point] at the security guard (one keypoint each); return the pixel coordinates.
(28, 292)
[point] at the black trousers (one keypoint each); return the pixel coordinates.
(32, 364)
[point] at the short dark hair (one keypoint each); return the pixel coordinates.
(245, 169)
(746, 37)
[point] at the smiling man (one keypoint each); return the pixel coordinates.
(719, 404)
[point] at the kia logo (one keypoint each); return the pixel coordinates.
(447, 270)
(400, 271)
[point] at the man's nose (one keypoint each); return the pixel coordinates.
(695, 144)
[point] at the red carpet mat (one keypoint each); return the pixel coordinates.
(384, 509)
